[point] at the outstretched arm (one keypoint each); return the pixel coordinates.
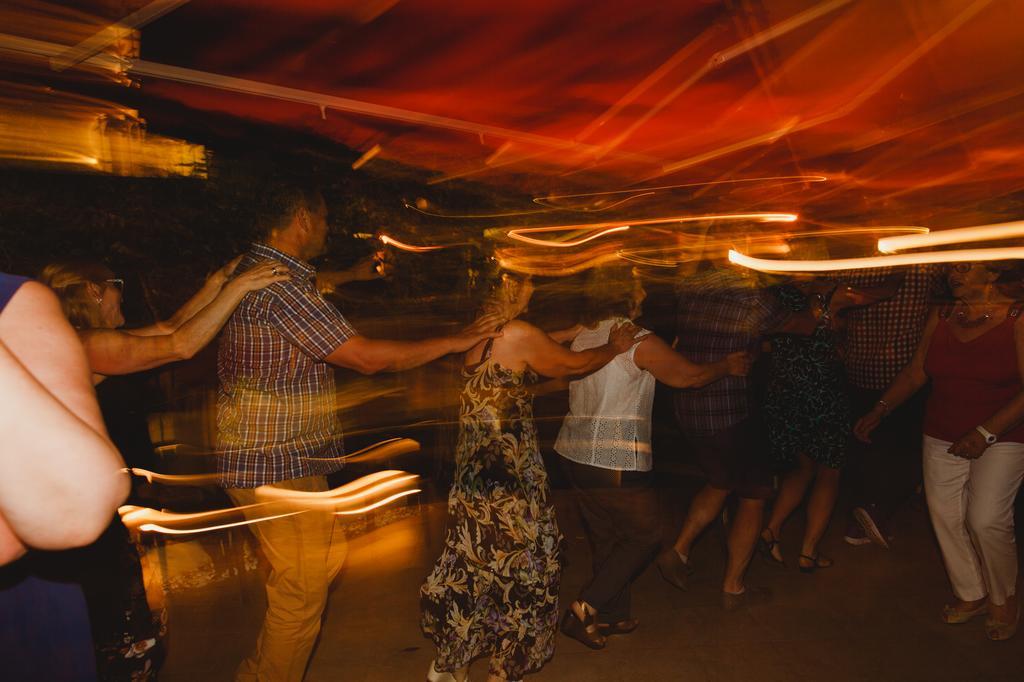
(547, 358)
(112, 351)
(675, 369)
(202, 298)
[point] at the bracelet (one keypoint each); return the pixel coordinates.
(885, 406)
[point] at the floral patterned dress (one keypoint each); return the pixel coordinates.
(494, 589)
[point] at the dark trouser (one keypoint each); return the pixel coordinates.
(620, 512)
(886, 471)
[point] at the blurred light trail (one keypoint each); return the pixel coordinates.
(648, 81)
(702, 246)
(152, 521)
(518, 235)
(719, 58)
(471, 216)
(785, 179)
(390, 241)
(920, 258)
(350, 493)
(324, 102)
(961, 235)
(795, 124)
(45, 126)
(380, 503)
(281, 503)
(365, 158)
(561, 264)
(176, 479)
(113, 33)
(387, 449)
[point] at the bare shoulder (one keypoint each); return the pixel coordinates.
(33, 302)
(648, 347)
(35, 292)
(519, 330)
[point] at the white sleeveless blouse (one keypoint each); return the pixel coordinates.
(609, 420)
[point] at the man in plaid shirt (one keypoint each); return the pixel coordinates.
(720, 311)
(277, 423)
(880, 340)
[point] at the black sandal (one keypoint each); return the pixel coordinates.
(586, 632)
(817, 561)
(767, 547)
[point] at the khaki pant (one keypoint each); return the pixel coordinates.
(971, 505)
(305, 551)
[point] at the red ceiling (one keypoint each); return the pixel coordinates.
(911, 108)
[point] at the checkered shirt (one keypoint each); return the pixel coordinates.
(881, 338)
(719, 312)
(276, 406)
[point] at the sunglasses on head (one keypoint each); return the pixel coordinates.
(116, 282)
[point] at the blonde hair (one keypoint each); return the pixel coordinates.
(503, 294)
(69, 280)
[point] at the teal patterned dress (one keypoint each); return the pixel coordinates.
(494, 589)
(806, 407)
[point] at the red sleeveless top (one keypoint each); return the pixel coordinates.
(971, 380)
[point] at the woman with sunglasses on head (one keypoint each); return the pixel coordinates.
(126, 634)
(91, 298)
(973, 449)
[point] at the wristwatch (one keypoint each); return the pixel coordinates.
(988, 435)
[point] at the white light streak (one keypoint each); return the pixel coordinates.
(921, 258)
(962, 235)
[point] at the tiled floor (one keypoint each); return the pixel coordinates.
(871, 617)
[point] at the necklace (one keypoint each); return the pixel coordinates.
(964, 321)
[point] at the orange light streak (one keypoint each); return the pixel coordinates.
(177, 479)
(517, 234)
(365, 158)
(979, 233)
(381, 503)
(784, 178)
(391, 241)
(157, 528)
(921, 258)
(151, 520)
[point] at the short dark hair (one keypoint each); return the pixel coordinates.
(279, 200)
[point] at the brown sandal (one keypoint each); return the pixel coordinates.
(586, 632)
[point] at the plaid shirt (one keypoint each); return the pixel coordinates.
(881, 338)
(276, 405)
(719, 312)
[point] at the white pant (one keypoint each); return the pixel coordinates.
(971, 505)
